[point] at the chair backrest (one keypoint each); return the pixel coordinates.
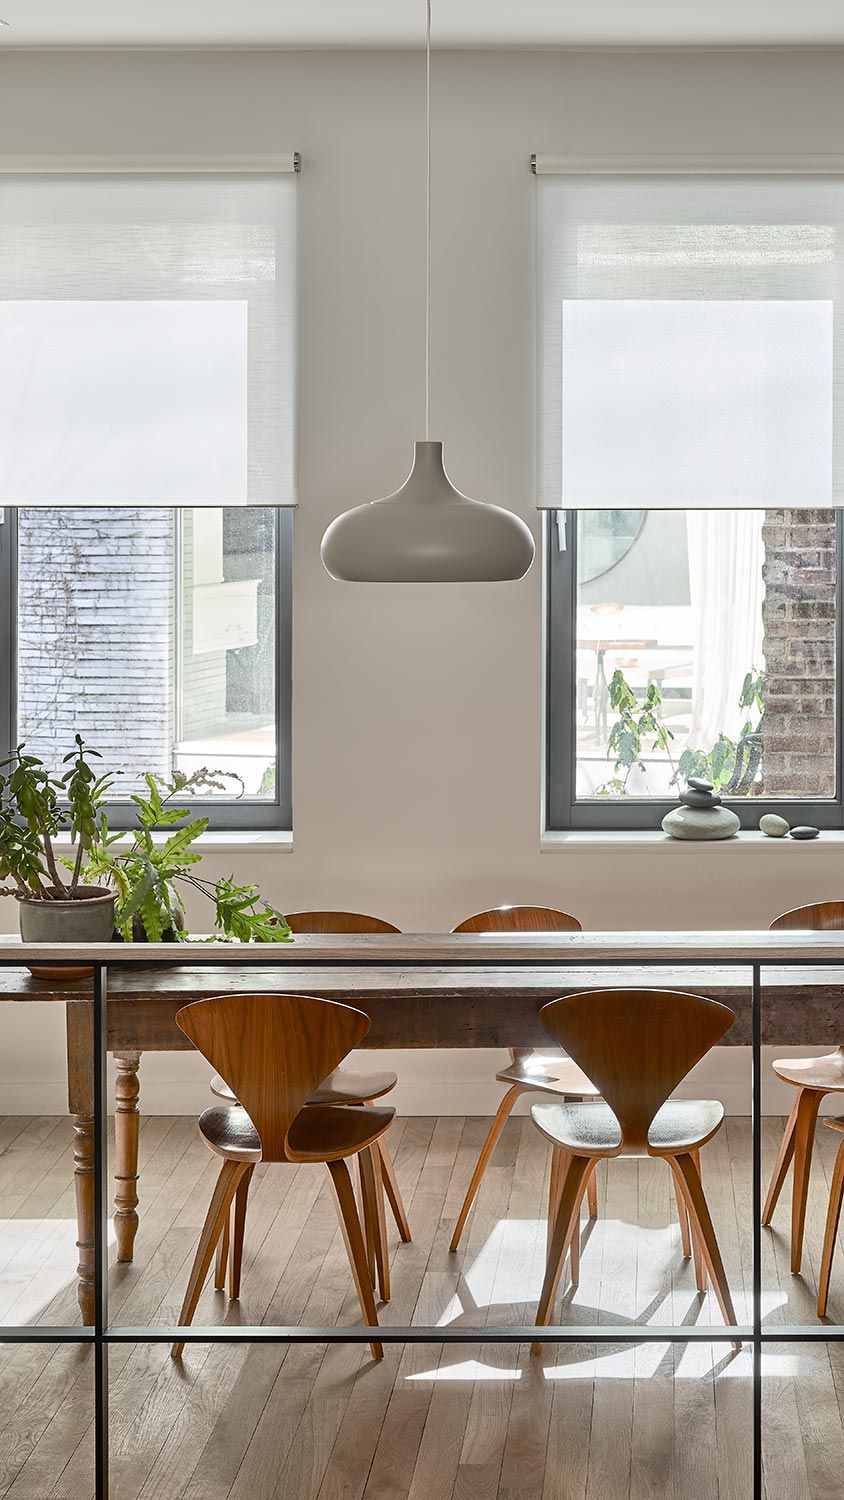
(821, 916)
(336, 921)
(636, 1046)
(273, 1051)
(520, 919)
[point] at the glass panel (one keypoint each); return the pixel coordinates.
(47, 1406)
(42, 1157)
(161, 666)
(802, 1437)
(705, 646)
(458, 1421)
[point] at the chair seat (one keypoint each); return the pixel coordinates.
(549, 1074)
(813, 1072)
(320, 1132)
(592, 1129)
(343, 1086)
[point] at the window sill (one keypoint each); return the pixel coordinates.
(279, 839)
(606, 838)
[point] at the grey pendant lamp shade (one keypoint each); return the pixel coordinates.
(427, 532)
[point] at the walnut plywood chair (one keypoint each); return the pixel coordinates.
(344, 1086)
(274, 1051)
(812, 1077)
(528, 1071)
(637, 1045)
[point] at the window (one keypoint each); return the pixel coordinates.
(163, 636)
(689, 459)
(693, 643)
(147, 401)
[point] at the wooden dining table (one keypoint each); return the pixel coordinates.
(419, 991)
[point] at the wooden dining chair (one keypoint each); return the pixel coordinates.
(813, 1078)
(344, 1086)
(637, 1046)
(274, 1051)
(528, 1071)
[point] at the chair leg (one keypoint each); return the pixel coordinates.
(355, 1248)
(683, 1219)
(691, 1241)
(703, 1231)
(391, 1185)
(391, 1188)
(238, 1222)
(833, 1214)
(495, 1129)
(222, 1257)
(557, 1155)
(592, 1196)
(566, 1223)
(697, 1248)
(365, 1214)
(783, 1162)
(559, 1166)
(375, 1222)
(808, 1105)
(215, 1222)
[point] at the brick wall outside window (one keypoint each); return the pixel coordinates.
(799, 647)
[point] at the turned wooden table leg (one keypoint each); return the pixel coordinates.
(80, 1096)
(126, 1127)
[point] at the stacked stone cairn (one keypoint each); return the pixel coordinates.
(700, 815)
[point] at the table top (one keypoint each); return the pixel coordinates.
(454, 949)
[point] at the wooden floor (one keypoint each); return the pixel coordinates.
(430, 1423)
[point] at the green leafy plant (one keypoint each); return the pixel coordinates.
(148, 868)
(638, 728)
(149, 873)
(35, 808)
(733, 766)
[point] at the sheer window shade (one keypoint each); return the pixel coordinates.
(147, 339)
(687, 337)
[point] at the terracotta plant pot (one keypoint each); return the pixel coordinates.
(87, 918)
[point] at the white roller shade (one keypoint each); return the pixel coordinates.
(147, 339)
(688, 347)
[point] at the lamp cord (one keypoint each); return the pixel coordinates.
(428, 225)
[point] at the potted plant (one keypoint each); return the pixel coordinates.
(126, 885)
(149, 873)
(35, 808)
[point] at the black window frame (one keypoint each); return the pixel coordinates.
(224, 815)
(563, 811)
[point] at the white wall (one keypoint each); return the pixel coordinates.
(417, 710)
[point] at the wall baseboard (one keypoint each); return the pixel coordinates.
(460, 1084)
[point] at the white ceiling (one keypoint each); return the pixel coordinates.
(400, 23)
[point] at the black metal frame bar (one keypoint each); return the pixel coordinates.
(101, 1335)
(564, 810)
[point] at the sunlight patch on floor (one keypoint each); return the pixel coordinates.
(467, 1369)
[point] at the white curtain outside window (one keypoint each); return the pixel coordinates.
(726, 588)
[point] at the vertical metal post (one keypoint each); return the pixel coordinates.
(101, 1439)
(756, 1126)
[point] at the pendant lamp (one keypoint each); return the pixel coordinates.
(427, 532)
